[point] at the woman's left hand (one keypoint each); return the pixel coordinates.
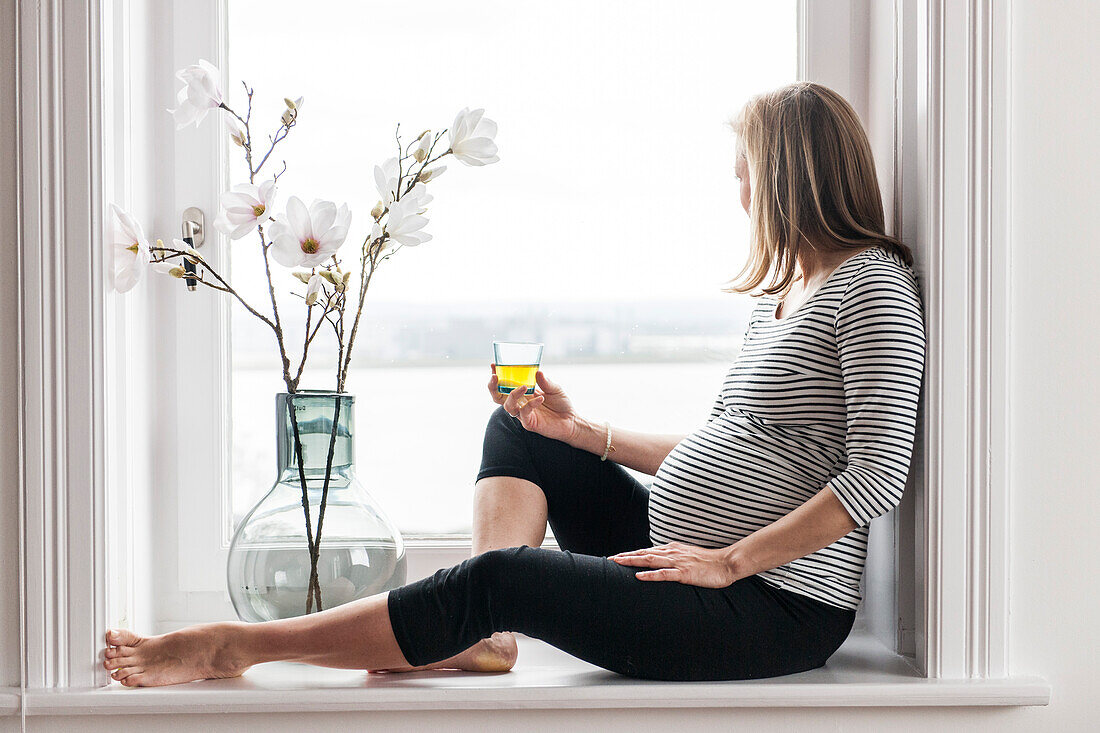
(687, 564)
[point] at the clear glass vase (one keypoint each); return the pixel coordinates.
(360, 553)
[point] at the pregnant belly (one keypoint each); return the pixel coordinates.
(724, 482)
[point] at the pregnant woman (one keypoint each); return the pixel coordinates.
(744, 558)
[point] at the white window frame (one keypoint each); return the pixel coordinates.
(953, 153)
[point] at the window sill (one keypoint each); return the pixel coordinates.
(861, 673)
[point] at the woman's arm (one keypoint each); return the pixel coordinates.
(643, 452)
(818, 523)
(550, 413)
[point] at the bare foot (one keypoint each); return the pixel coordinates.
(498, 653)
(200, 652)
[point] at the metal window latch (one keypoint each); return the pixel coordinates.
(194, 235)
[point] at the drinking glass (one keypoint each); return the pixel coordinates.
(516, 364)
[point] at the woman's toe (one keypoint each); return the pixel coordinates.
(122, 674)
(122, 637)
(119, 651)
(134, 680)
(117, 662)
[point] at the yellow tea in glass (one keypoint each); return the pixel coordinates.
(516, 364)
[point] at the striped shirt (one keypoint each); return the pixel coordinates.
(827, 395)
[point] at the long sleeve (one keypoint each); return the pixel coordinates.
(881, 344)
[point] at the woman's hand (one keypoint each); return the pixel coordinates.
(682, 563)
(548, 412)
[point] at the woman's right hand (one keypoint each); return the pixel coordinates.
(548, 412)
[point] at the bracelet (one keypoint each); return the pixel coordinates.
(607, 448)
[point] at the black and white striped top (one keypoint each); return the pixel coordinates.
(826, 395)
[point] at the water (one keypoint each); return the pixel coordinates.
(418, 430)
(280, 576)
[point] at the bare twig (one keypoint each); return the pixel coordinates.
(428, 160)
(324, 493)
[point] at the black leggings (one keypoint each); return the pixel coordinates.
(593, 608)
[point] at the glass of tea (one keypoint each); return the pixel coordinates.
(516, 364)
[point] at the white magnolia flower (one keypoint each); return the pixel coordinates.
(403, 223)
(375, 232)
(131, 250)
(201, 93)
(192, 253)
(169, 267)
(472, 138)
(313, 289)
(385, 180)
(175, 267)
(423, 147)
(236, 130)
(430, 174)
(417, 198)
(307, 237)
(182, 246)
(244, 208)
(293, 107)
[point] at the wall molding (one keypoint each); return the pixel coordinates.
(60, 344)
(961, 99)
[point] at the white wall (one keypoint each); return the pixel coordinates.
(1055, 412)
(9, 516)
(1055, 400)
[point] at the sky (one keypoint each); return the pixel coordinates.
(615, 187)
(616, 175)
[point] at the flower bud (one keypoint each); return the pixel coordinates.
(288, 117)
(176, 272)
(289, 103)
(313, 289)
(377, 211)
(347, 277)
(428, 174)
(423, 146)
(328, 275)
(303, 276)
(236, 131)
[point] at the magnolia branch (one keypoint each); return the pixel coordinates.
(224, 286)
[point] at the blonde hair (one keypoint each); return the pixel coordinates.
(813, 183)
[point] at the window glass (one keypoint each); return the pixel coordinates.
(606, 230)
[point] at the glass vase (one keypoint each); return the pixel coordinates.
(359, 552)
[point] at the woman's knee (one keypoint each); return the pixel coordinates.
(503, 427)
(501, 420)
(490, 571)
(502, 577)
